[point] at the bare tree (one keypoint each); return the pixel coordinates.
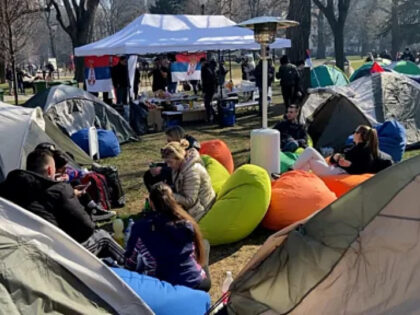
(336, 14)
(300, 11)
(78, 24)
(15, 27)
(321, 48)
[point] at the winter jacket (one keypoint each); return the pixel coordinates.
(361, 159)
(291, 131)
(258, 75)
(119, 74)
(208, 79)
(164, 249)
(288, 75)
(51, 200)
(192, 184)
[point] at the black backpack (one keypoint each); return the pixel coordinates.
(114, 184)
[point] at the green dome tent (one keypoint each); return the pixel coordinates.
(326, 75)
(365, 70)
(405, 67)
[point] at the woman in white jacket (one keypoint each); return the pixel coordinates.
(192, 183)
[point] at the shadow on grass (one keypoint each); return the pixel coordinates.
(257, 237)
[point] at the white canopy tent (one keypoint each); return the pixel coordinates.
(154, 34)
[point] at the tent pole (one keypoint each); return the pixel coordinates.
(230, 67)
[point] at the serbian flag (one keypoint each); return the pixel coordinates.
(376, 68)
(308, 60)
(187, 67)
(98, 73)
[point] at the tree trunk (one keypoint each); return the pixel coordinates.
(395, 41)
(2, 71)
(300, 11)
(339, 46)
(321, 48)
(13, 62)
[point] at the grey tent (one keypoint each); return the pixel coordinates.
(359, 255)
(73, 109)
(44, 271)
(333, 113)
(22, 129)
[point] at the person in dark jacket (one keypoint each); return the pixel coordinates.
(289, 81)
(167, 243)
(258, 80)
(161, 172)
(209, 86)
(247, 70)
(358, 159)
(160, 75)
(120, 80)
(292, 134)
(57, 202)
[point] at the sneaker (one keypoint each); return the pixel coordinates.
(99, 214)
(275, 176)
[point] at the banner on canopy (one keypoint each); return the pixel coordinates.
(98, 73)
(187, 67)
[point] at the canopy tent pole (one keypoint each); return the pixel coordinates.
(230, 67)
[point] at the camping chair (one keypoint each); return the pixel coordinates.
(93, 143)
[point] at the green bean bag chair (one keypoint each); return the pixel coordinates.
(218, 173)
(287, 159)
(240, 206)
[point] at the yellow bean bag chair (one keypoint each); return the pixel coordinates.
(341, 184)
(218, 150)
(295, 196)
(240, 206)
(217, 172)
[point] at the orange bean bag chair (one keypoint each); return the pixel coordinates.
(295, 196)
(219, 151)
(341, 184)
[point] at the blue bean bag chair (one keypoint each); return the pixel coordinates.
(164, 298)
(392, 139)
(108, 142)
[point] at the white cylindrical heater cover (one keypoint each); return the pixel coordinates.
(265, 149)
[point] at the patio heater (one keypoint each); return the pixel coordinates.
(265, 143)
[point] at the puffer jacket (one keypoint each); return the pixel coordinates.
(192, 184)
(51, 200)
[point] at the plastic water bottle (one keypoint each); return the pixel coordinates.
(118, 227)
(225, 286)
(128, 232)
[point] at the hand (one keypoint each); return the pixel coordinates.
(79, 193)
(337, 157)
(155, 170)
(343, 162)
(61, 177)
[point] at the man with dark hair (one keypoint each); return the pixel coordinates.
(160, 75)
(120, 80)
(37, 191)
(209, 86)
(292, 134)
(289, 80)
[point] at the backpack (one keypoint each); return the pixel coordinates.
(117, 195)
(98, 190)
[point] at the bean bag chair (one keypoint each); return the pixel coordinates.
(341, 184)
(218, 173)
(218, 150)
(240, 206)
(299, 151)
(164, 298)
(287, 159)
(295, 196)
(108, 142)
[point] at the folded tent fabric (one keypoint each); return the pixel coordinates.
(108, 142)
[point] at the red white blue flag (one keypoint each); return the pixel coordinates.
(98, 73)
(187, 67)
(308, 60)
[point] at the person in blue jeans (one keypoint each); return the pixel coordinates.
(292, 133)
(167, 243)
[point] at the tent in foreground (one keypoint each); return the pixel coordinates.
(45, 271)
(155, 33)
(333, 113)
(73, 109)
(22, 129)
(346, 259)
